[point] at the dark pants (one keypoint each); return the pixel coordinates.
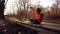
(35, 21)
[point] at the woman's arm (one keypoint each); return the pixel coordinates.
(34, 10)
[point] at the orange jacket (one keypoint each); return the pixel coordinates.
(37, 15)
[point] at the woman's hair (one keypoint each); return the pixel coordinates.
(38, 10)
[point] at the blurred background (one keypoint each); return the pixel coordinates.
(20, 9)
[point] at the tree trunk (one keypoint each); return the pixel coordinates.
(2, 9)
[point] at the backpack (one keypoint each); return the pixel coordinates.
(41, 18)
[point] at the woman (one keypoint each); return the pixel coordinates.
(38, 16)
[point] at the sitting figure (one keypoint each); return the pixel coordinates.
(38, 16)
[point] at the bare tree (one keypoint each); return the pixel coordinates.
(2, 6)
(57, 3)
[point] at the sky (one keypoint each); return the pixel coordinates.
(43, 3)
(46, 3)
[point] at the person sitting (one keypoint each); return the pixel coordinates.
(38, 16)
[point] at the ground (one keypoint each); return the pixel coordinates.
(44, 24)
(14, 26)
